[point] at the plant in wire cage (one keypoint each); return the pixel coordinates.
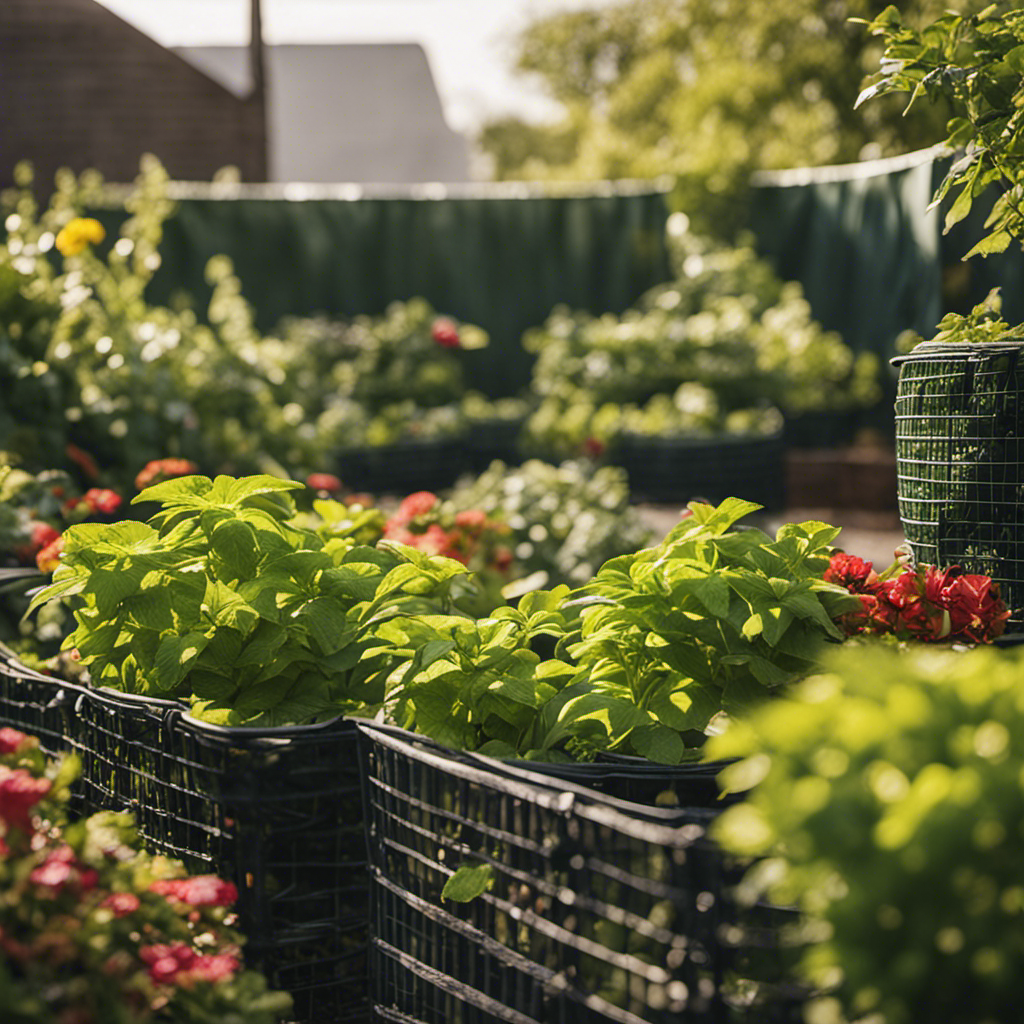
(721, 349)
(401, 377)
(223, 598)
(884, 799)
(651, 654)
(92, 931)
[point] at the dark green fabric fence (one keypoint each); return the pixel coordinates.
(869, 252)
(861, 241)
(498, 256)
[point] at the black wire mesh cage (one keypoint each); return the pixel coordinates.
(278, 812)
(596, 910)
(960, 460)
(682, 468)
(403, 467)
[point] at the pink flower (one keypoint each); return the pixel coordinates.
(417, 504)
(122, 903)
(60, 868)
(197, 891)
(20, 791)
(11, 741)
(445, 333)
(323, 482)
(471, 519)
(102, 499)
(178, 964)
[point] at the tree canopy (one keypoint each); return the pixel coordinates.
(709, 91)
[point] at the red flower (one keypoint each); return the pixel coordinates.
(417, 504)
(178, 964)
(594, 447)
(197, 891)
(11, 741)
(323, 482)
(502, 558)
(40, 535)
(471, 519)
(60, 868)
(49, 558)
(102, 499)
(122, 903)
(20, 791)
(163, 469)
(85, 462)
(445, 333)
(851, 572)
(976, 612)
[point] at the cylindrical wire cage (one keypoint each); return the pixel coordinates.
(960, 460)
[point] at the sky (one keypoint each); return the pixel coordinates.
(468, 42)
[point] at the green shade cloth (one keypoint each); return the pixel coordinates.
(499, 256)
(863, 243)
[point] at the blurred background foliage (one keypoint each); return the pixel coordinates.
(708, 91)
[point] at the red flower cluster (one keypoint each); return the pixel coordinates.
(197, 891)
(12, 741)
(102, 499)
(178, 964)
(324, 482)
(40, 536)
(445, 333)
(49, 558)
(926, 604)
(467, 535)
(20, 791)
(62, 868)
(163, 469)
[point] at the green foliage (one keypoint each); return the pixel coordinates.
(707, 90)
(976, 64)
(719, 350)
(887, 802)
(649, 655)
(713, 619)
(477, 684)
(225, 599)
(388, 378)
(564, 521)
(95, 930)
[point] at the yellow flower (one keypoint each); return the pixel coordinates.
(79, 233)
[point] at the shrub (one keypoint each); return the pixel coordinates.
(93, 931)
(886, 798)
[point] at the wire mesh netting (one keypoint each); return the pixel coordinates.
(596, 909)
(278, 812)
(960, 461)
(680, 468)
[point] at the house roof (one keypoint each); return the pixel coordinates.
(347, 112)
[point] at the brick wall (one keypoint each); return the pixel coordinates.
(80, 88)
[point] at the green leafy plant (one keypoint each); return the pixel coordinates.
(95, 930)
(655, 651)
(224, 599)
(712, 620)
(975, 62)
(721, 349)
(885, 800)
